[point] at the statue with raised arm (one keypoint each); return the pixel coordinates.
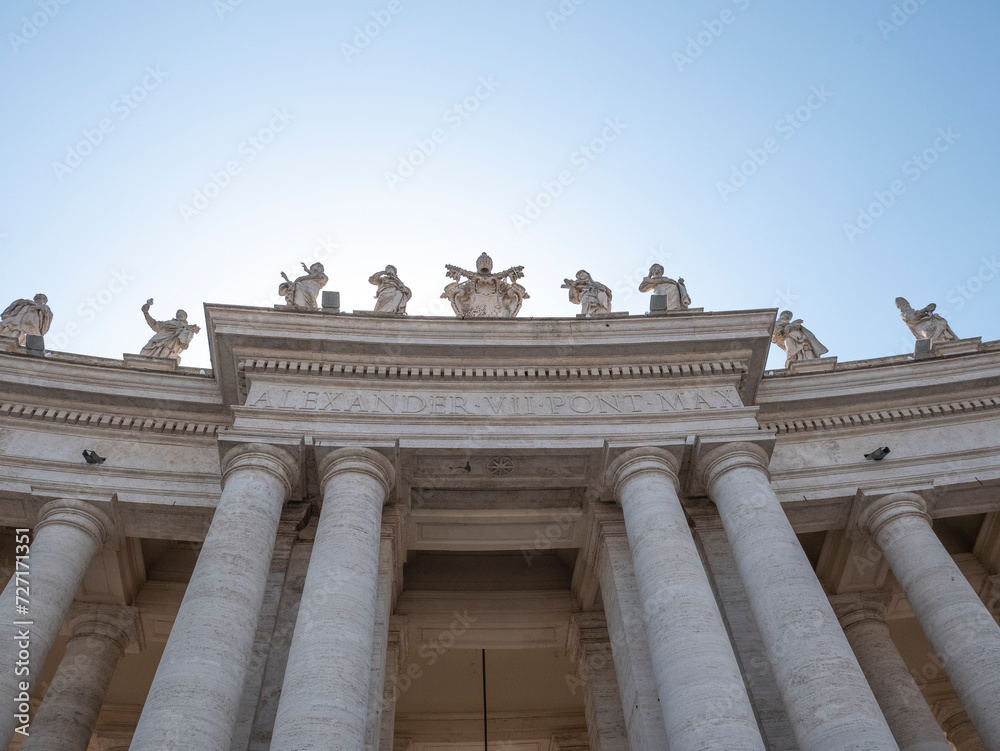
(391, 295)
(23, 317)
(485, 294)
(593, 297)
(674, 290)
(171, 338)
(798, 342)
(304, 291)
(925, 323)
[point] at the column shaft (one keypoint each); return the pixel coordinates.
(702, 694)
(905, 709)
(68, 535)
(826, 695)
(955, 620)
(324, 697)
(69, 711)
(589, 647)
(196, 691)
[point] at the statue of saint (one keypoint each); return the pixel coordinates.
(675, 291)
(23, 317)
(798, 342)
(171, 338)
(485, 294)
(594, 297)
(925, 323)
(304, 291)
(391, 295)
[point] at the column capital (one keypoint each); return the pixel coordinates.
(730, 456)
(262, 457)
(868, 517)
(79, 514)
(116, 623)
(357, 459)
(861, 607)
(641, 460)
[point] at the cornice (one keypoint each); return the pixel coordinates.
(110, 420)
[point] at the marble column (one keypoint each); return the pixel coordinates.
(954, 619)
(68, 535)
(324, 697)
(862, 617)
(826, 695)
(702, 695)
(196, 691)
(68, 714)
(589, 646)
(958, 726)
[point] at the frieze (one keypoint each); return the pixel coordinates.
(543, 404)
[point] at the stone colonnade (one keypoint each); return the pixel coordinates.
(842, 683)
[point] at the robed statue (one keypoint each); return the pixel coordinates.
(593, 297)
(925, 323)
(304, 291)
(673, 289)
(24, 317)
(798, 342)
(171, 338)
(391, 295)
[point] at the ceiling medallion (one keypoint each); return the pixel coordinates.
(500, 466)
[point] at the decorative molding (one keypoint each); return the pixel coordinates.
(110, 420)
(865, 419)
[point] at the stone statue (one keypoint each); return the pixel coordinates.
(798, 342)
(391, 295)
(485, 294)
(171, 338)
(304, 291)
(593, 296)
(675, 291)
(23, 317)
(925, 323)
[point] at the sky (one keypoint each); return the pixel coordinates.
(823, 157)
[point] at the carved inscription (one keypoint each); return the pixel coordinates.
(355, 401)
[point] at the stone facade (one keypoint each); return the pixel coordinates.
(648, 540)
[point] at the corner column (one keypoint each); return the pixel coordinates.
(68, 535)
(589, 646)
(324, 697)
(196, 691)
(68, 714)
(862, 617)
(955, 620)
(702, 695)
(826, 695)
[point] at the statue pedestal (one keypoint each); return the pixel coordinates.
(816, 365)
(956, 346)
(665, 312)
(377, 314)
(622, 314)
(142, 362)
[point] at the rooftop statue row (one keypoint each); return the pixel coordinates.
(482, 294)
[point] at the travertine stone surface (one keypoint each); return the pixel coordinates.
(629, 646)
(380, 644)
(588, 645)
(750, 652)
(826, 695)
(195, 695)
(395, 653)
(955, 620)
(702, 694)
(907, 712)
(958, 726)
(68, 714)
(324, 696)
(68, 535)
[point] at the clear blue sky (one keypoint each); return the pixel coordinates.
(833, 100)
